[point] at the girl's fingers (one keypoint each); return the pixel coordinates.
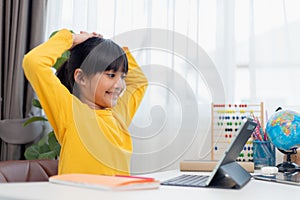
(97, 35)
(82, 36)
(83, 32)
(93, 34)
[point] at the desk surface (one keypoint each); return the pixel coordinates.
(255, 189)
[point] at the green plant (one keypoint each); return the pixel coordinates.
(48, 147)
(64, 57)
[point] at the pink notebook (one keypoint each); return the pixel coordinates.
(94, 181)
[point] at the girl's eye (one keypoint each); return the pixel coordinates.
(111, 75)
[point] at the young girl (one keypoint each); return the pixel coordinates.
(93, 104)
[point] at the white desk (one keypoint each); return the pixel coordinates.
(253, 190)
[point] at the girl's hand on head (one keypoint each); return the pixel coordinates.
(83, 36)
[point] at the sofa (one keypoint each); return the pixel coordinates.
(27, 170)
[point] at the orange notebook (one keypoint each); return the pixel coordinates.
(106, 182)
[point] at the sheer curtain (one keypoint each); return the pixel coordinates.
(194, 53)
(268, 46)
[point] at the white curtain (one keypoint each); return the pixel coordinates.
(194, 53)
(268, 45)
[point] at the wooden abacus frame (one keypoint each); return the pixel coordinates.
(235, 112)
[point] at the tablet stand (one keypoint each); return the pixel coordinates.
(230, 175)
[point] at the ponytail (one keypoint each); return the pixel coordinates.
(64, 76)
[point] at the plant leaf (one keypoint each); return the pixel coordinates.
(54, 32)
(36, 103)
(43, 141)
(53, 143)
(47, 155)
(33, 119)
(32, 152)
(59, 62)
(43, 147)
(66, 54)
(64, 57)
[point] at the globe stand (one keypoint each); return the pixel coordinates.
(288, 166)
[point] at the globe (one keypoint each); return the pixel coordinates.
(283, 129)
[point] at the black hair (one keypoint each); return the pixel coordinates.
(92, 56)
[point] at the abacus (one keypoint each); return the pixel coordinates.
(226, 120)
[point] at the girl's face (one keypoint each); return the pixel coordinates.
(102, 90)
